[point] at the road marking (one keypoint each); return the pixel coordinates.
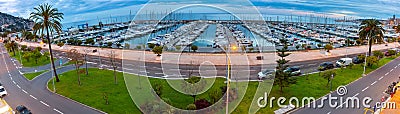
(328, 113)
(24, 91)
(373, 83)
(11, 78)
(311, 64)
(18, 86)
(395, 67)
(386, 73)
(356, 94)
(44, 103)
(391, 70)
(9, 74)
(365, 88)
(14, 82)
(33, 97)
(57, 111)
(158, 73)
(380, 78)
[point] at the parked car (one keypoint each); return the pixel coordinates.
(325, 66)
(22, 110)
(357, 61)
(343, 62)
(266, 74)
(3, 92)
(295, 70)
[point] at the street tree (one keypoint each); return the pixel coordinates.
(372, 31)
(194, 48)
(112, 55)
(78, 61)
(328, 47)
(47, 19)
(328, 75)
(282, 78)
(158, 50)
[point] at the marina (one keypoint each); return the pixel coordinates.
(213, 36)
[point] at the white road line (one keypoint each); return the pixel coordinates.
(9, 74)
(14, 82)
(44, 103)
(386, 73)
(24, 91)
(311, 64)
(11, 78)
(158, 73)
(18, 86)
(57, 111)
(365, 89)
(391, 70)
(380, 78)
(33, 97)
(395, 67)
(373, 83)
(328, 113)
(356, 94)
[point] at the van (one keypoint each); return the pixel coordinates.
(344, 62)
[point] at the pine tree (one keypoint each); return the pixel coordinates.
(282, 78)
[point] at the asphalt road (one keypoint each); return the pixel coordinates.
(371, 85)
(34, 94)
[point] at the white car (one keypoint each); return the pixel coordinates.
(265, 74)
(3, 92)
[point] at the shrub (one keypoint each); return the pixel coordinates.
(392, 52)
(378, 54)
(328, 47)
(202, 103)
(194, 48)
(191, 107)
(361, 57)
(158, 50)
(372, 60)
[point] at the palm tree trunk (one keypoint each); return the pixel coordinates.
(370, 47)
(51, 55)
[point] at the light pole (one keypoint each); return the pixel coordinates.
(366, 55)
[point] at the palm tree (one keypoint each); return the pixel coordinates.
(47, 19)
(371, 30)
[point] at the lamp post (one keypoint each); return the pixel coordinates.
(366, 55)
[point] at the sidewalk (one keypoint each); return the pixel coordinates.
(216, 59)
(395, 99)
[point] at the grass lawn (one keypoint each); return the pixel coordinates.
(92, 90)
(30, 76)
(43, 60)
(100, 81)
(313, 86)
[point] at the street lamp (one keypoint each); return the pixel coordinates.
(366, 55)
(228, 74)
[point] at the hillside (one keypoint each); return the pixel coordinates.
(12, 23)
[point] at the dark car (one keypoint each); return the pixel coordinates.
(295, 70)
(357, 61)
(325, 66)
(22, 110)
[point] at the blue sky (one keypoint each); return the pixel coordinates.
(76, 10)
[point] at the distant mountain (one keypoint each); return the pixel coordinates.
(12, 23)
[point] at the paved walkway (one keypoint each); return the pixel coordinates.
(216, 59)
(395, 99)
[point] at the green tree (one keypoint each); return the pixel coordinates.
(298, 46)
(151, 46)
(329, 75)
(194, 48)
(158, 50)
(328, 47)
(378, 54)
(60, 44)
(47, 19)
(361, 57)
(282, 78)
(24, 47)
(372, 60)
(27, 56)
(47, 55)
(109, 44)
(36, 55)
(392, 52)
(371, 30)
